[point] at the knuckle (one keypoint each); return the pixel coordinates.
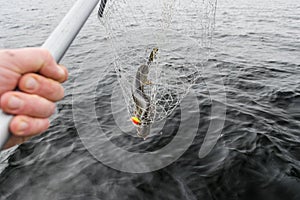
(38, 106)
(46, 54)
(47, 58)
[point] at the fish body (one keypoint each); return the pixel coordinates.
(142, 101)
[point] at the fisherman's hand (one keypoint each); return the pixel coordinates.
(38, 78)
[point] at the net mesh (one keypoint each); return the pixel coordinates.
(182, 33)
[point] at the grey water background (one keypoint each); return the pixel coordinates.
(256, 48)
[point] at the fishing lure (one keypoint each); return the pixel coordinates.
(136, 120)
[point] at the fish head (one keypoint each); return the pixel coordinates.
(153, 54)
(155, 50)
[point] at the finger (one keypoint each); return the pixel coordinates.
(41, 86)
(14, 140)
(32, 60)
(66, 74)
(24, 126)
(19, 103)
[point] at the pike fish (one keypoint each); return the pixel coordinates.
(142, 118)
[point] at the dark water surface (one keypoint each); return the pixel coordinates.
(256, 51)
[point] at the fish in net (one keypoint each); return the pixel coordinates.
(159, 48)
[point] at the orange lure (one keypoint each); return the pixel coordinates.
(136, 120)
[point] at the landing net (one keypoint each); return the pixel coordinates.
(180, 29)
